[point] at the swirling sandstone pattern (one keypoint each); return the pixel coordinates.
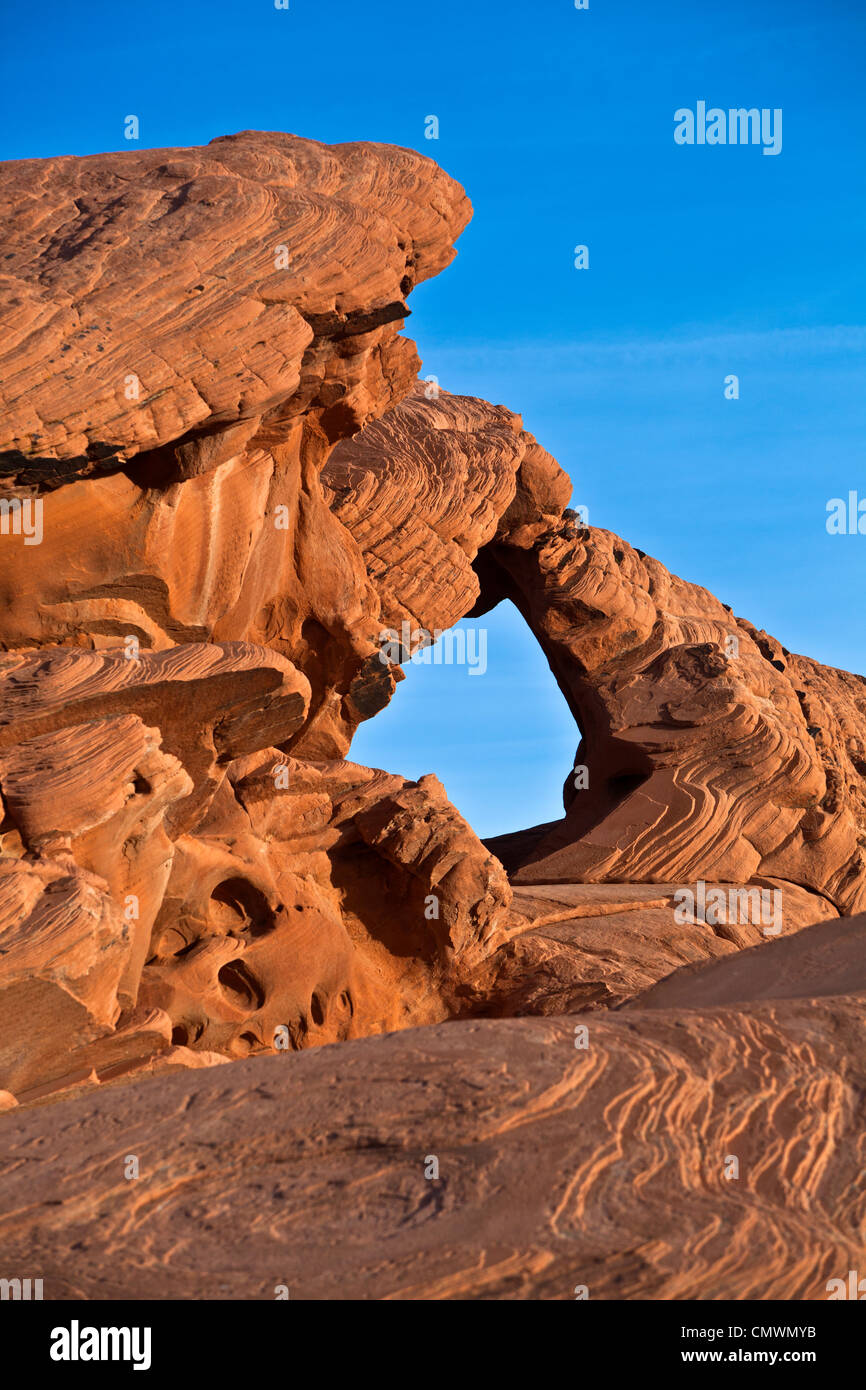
(711, 751)
(171, 388)
(194, 639)
(167, 265)
(243, 490)
(682, 1153)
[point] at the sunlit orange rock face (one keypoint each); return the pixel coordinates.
(224, 493)
(710, 751)
(174, 374)
(194, 637)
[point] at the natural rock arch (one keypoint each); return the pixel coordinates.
(712, 751)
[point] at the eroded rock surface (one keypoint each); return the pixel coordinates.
(188, 333)
(230, 281)
(606, 1168)
(242, 496)
(710, 751)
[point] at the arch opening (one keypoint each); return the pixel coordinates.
(493, 727)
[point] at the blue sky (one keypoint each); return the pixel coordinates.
(704, 261)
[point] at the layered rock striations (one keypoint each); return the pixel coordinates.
(244, 283)
(188, 333)
(604, 1172)
(710, 750)
(194, 636)
(223, 496)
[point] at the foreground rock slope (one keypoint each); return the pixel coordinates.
(230, 514)
(682, 1153)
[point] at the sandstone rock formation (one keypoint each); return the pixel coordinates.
(710, 750)
(189, 331)
(605, 1168)
(236, 494)
(173, 265)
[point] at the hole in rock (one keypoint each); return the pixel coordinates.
(171, 942)
(185, 950)
(484, 713)
(239, 985)
(186, 1034)
(236, 905)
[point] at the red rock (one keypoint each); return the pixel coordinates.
(191, 871)
(161, 264)
(701, 764)
(194, 513)
(350, 902)
(606, 1166)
